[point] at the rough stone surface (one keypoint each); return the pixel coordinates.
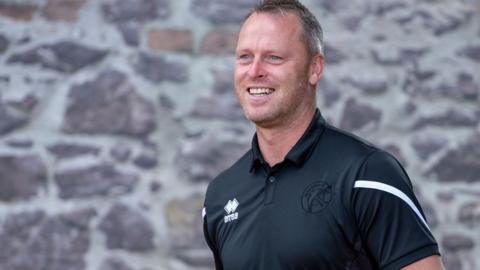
(457, 242)
(125, 228)
(170, 39)
(63, 56)
(4, 42)
(469, 214)
(99, 180)
(219, 42)
(81, 87)
(428, 145)
(11, 119)
(201, 159)
(135, 10)
(62, 10)
(108, 105)
(357, 115)
(448, 118)
(68, 150)
(130, 32)
(33, 241)
(222, 11)
(21, 177)
(158, 69)
(460, 164)
(17, 11)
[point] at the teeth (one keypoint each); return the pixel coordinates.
(260, 91)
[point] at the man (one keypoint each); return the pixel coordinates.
(307, 195)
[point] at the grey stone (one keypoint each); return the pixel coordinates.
(41, 242)
(99, 180)
(166, 104)
(130, 32)
(11, 119)
(108, 105)
(222, 11)
(357, 115)
(449, 23)
(155, 186)
(63, 56)
(20, 143)
(395, 151)
(79, 218)
(383, 8)
(146, 160)
(330, 92)
(3, 43)
(472, 52)
(69, 150)
(196, 258)
(24, 105)
(457, 242)
(135, 10)
(427, 145)
(332, 5)
(158, 69)
(469, 214)
(450, 118)
(202, 158)
(333, 55)
(21, 177)
(114, 264)
(125, 228)
(185, 222)
(452, 261)
(460, 164)
(224, 107)
(369, 86)
(120, 152)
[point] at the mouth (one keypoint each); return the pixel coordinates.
(260, 91)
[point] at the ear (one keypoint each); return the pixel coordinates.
(316, 69)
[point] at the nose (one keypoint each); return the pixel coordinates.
(256, 69)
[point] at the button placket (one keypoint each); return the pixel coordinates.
(270, 189)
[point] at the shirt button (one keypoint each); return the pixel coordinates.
(271, 179)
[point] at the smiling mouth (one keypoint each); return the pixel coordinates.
(260, 91)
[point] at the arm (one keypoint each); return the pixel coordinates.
(428, 263)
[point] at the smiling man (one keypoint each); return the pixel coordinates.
(307, 195)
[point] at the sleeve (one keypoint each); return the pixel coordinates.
(211, 241)
(391, 223)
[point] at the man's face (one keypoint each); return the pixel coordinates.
(272, 69)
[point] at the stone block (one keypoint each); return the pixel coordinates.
(472, 52)
(450, 118)
(202, 158)
(425, 146)
(170, 39)
(21, 177)
(218, 42)
(127, 229)
(358, 115)
(32, 240)
(222, 11)
(130, 32)
(98, 180)
(69, 150)
(18, 11)
(109, 104)
(4, 42)
(158, 68)
(461, 164)
(62, 10)
(11, 119)
(119, 11)
(62, 56)
(457, 242)
(469, 214)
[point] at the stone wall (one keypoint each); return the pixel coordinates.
(115, 114)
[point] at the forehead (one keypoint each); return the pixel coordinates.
(271, 26)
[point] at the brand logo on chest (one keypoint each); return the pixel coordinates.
(230, 209)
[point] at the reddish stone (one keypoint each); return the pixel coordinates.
(62, 10)
(219, 42)
(168, 39)
(18, 11)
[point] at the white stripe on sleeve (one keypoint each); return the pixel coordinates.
(204, 212)
(393, 191)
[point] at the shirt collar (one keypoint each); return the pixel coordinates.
(300, 151)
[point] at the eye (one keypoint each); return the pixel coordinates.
(274, 58)
(243, 58)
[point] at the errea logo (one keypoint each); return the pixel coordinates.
(230, 209)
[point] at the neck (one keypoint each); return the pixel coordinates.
(276, 142)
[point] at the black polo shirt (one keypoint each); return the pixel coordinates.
(335, 202)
